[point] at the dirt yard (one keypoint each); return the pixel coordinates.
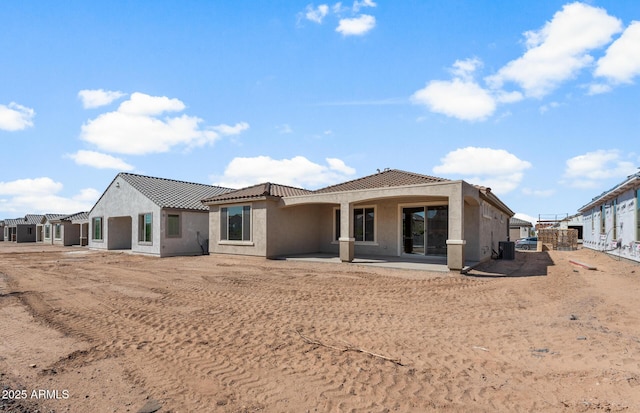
(88, 331)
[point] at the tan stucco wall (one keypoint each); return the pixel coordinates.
(194, 233)
(293, 230)
(494, 226)
(257, 245)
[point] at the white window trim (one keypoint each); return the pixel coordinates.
(141, 216)
(93, 231)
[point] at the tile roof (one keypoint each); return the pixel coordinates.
(52, 217)
(78, 216)
(266, 189)
(33, 219)
(384, 179)
(517, 222)
(169, 193)
(29, 219)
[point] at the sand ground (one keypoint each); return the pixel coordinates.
(89, 331)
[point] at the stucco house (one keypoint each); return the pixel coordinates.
(80, 226)
(519, 228)
(390, 213)
(611, 221)
(150, 215)
(22, 229)
(46, 229)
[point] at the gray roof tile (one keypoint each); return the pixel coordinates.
(169, 193)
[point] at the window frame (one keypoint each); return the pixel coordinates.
(142, 228)
(57, 231)
(169, 234)
(364, 239)
(47, 231)
(99, 228)
(246, 231)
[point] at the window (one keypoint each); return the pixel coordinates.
(615, 211)
(235, 223)
(96, 224)
(602, 219)
(336, 226)
(57, 232)
(173, 225)
(144, 228)
(638, 215)
(47, 231)
(363, 225)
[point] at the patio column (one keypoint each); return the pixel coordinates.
(346, 240)
(456, 241)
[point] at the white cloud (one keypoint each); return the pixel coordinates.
(526, 217)
(284, 128)
(357, 5)
(14, 117)
(598, 88)
(137, 128)
(100, 160)
(621, 62)
(538, 193)
(38, 196)
(559, 50)
(98, 97)
(316, 14)
(356, 26)
(297, 171)
(236, 129)
(458, 98)
(495, 168)
(591, 169)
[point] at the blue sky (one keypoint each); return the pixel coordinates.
(538, 100)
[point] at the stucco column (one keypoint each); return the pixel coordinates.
(456, 241)
(346, 240)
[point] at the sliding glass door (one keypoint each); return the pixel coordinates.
(425, 230)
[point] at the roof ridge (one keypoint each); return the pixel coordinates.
(383, 172)
(169, 179)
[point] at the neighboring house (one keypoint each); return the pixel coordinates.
(391, 213)
(80, 225)
(573, 222)
(149, 215)
(46, 229)
(611, 221)
(519, 228)
(61, 229)
(2, 230)
(22, 229)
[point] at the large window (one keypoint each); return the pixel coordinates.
(173, 225)
(235, 223)
(57, 231)
(96, 225)
(47, 231)
(145, 225)
(363, 224)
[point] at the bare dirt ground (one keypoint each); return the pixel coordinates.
(88, 331)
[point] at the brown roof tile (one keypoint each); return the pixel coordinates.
(258, 191)
(384, 179)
